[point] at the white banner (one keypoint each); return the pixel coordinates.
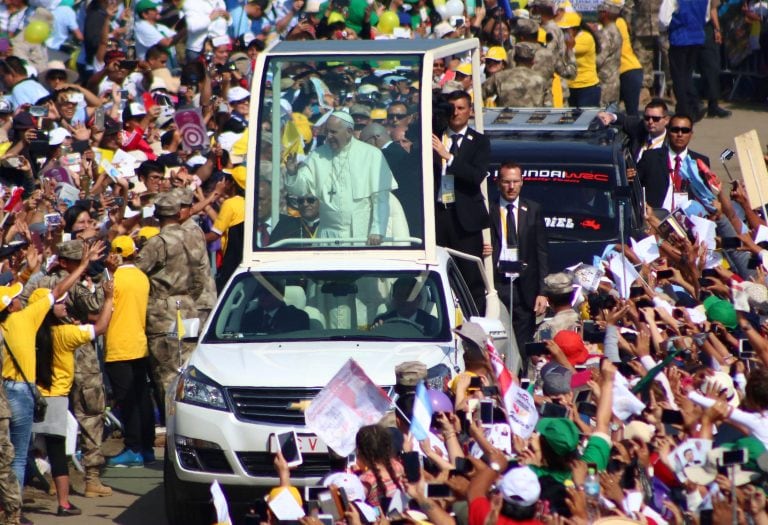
(349, 401)
(522, 412)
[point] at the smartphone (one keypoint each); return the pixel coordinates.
(730, 243)
(98, 118)
(11, 162)
(706, 281)
(462, 466)
(328, 505)
(118, 202)
(476, 383)
(705, 517)
(709, 272)
(288, 443)
(343, 500)
(665, 274)
(588, 409)
(532, 349)
(107, 276)
(326, 519)
(553, 410)
(489, 391)
(52, 219)
(486, 412)
(745, 349)
(734, 457)
(38, 111)
(624, 369)
(312, 493)
(75, 98)
(645, 303)
(130, 53)
(412, 466)
(753, 263)
(525, 383)
(636, 291)
(128, 64)
(672, 417)
(438, 490)
(583, 396)
(124, 93)
(456, 21)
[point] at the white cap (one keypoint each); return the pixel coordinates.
(349, 482)
(442, 29)
(137, 110)
(57, 136)
(344, 117)
(158, 83)
(520, 486)
(236, 94)
(222, 40)
(197, 160)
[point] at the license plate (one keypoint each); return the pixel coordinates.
(308, 444)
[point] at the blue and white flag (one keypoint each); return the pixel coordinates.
(422, 413)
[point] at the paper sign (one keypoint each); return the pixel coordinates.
(754, 172)
(691, 452)
(349, 401)
(220, 504)
(586, 276)
(192, 128)
(647, 249)
(740, 296)
(704, 229)
(284, 507)
(624, 274)
(522, 412)
(625, 403)
(67, 193)
(70, 442)
(125, 163)
(111, 171)
(761, 235)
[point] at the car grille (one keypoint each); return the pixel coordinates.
(261, 464)
(269, 405)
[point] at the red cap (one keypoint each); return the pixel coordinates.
(572, 346)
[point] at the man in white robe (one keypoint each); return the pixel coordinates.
(352, 181)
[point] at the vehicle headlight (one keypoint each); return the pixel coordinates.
(438, 377)
(195, 388)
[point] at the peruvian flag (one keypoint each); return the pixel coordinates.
(518, 402)
(14, 199)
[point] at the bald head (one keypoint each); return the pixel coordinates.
(338, 133)
(374, 134)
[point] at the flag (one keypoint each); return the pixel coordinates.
(291, 141)
(422, 413)
(518, 402)
(14, 199)
(504, 377)
(179, 325)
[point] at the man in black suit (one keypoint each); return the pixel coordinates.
(272, 315)
(406, 307)
(645, 133)
(518, 224)
(460, 163)
(662, 172)
(302, 227)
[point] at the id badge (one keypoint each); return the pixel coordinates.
(447, 189)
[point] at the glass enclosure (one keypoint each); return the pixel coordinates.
(332, 306)
(339, 154)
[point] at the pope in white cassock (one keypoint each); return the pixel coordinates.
(352, 181)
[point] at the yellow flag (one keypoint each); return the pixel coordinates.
(179, 325)
(291, 140)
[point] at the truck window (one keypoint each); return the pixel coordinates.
(333, 305)
(343, 179)
(461, 292)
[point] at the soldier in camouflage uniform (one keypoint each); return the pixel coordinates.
(609, 56)
(545, 11)
(545, 62)
(519, 86)
(87, 397)
(174, 279)
(647, 41)
(199, 252)
(10, 491)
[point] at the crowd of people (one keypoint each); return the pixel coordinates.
(115, 229)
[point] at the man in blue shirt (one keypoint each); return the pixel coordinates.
(248, 18)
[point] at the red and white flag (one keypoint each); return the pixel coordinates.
(518, 403)
(14, 199)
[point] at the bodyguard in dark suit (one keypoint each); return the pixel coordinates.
(460, 162)
(518, 223)
(273, 316)
(646, 132)
(659, 169)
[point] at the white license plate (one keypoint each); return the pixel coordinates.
(308, 444)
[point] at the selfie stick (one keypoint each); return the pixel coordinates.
(732, 479)
(725, 156)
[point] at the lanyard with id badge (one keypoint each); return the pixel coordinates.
(447, 185)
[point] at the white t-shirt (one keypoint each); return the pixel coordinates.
(147, 35)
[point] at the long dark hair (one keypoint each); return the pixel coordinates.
(374, 447)
(585, 27)
(44, 351)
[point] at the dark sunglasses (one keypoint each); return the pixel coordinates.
(677, 129)
(397, 116)
(306, 200)
(652, 117)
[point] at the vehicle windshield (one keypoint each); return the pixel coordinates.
(331, 305)
(578, 202)
(349, 178)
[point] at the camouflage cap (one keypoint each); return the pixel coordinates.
(185, 195)
(552, 4)
(360, 109)
(525, 26)
(167, 204)
(71, 250)
(611, 6)
(525, 50)
(410, 373)
(557, 284)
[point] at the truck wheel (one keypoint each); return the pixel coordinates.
(184, 502)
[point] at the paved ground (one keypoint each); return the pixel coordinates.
(138, 498)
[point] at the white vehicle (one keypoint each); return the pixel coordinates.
(252, 374)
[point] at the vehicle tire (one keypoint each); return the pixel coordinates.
(182, 507)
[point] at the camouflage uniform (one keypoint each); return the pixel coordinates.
(565, 60)
(87, 397)
(174, 276)
(519, 86)
(556, 285)
(608, 63)
(10, 492)
(646, 37)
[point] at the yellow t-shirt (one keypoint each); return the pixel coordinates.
(19, 331)
(126, 337)
(586, 62)
(66, 339)
(232, 213)
(629, 60)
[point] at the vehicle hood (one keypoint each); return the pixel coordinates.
(311, 364)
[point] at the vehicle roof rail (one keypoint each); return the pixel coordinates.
(540, 119)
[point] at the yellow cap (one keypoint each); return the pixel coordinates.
(496, 53)
(238, 174)
(277, 490)
(123, 245)
(569, 20)
(455, 381)
(335, 17)
(465, 69)
(8, 294)
(378, 114)
(149, 231)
